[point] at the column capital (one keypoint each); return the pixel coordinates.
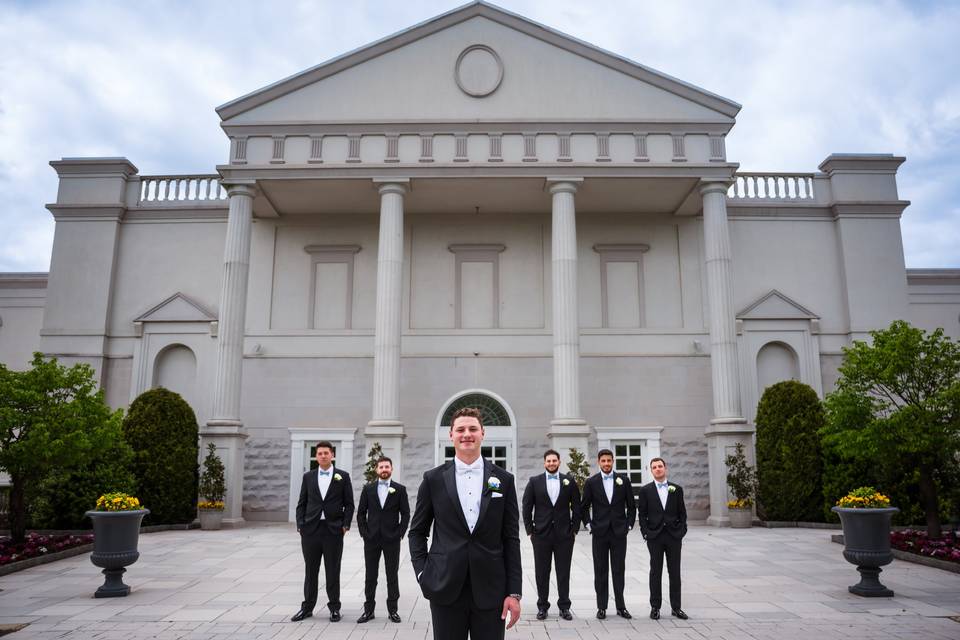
(715, 185)
(557, 184)
(392, 185)
(241, 188)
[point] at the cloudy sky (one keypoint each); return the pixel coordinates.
(141, 80)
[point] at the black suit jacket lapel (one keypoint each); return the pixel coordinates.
(374, 498)
(450, 482)
(486, 493)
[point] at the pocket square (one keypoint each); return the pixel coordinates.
(496, 495)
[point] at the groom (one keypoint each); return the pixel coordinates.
(471, 575)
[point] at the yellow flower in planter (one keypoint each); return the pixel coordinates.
(864, 498)
(118, 501)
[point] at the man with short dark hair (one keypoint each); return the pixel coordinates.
(609, 511)
(382, 519)
(663, 523)
(551, 516)
(471, 575)
(324, 512)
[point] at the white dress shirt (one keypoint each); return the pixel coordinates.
(553, 486)
(608, 485)
(323, 483)
(663, 490)
(469, 489)
(383, 488)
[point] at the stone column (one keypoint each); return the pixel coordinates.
(225, 428)
(728, 427)
(568, 429)
(385, 425)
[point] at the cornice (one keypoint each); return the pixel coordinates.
(24, 280)
(452, 127)
(87, 212)
(869, 209)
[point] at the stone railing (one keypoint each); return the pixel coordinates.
(772, 187)
(165, 190)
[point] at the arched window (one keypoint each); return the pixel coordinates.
(500, 437)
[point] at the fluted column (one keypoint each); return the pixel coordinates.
(568, 428)
(727, 427)
(225, 428)
(385, 425)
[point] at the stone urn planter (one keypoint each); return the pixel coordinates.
(115, 536)
(866, 543)
(740, 518)
(211, 519)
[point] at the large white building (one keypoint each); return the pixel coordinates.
(477, 210)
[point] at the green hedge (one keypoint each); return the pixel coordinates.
(789, 464)
(162, 430)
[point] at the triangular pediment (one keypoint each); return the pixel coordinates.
(413, 76)
(178, 308)
(776, 306)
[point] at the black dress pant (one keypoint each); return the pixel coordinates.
(664, 544)
(326, 547)
(560, 549)
(391, 562)
(609, 552)
(455, 621)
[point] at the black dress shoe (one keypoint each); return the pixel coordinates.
(601, 614)
(565, 614)
(335, 616)
(541, 614)
(300, 615)
(654, 614)
(394, 616)
(366, 617)
(623, 613)
(678, 613)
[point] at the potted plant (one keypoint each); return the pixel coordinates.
(213, 488)
(116, 531)
(865, 514)
(742, 480)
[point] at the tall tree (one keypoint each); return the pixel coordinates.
(897, 403)
(50, 416)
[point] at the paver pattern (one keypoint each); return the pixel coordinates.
(778, 584)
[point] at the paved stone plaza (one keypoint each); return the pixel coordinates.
(758, 583)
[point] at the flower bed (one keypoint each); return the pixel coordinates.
(39, 545)
(916, 541)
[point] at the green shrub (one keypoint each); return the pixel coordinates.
(213, 485)
(64, 495)
(162, 430)
(789, 465)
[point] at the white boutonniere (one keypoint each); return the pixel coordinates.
(671, 489)
(619, 481)
(493, 483)
(337, 476)
(391, 490)
(566, 482)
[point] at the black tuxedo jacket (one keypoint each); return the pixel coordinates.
(655, 519)
(616, 516)
(542, 517)
(491, 554)
(336, 507)
(383, 524)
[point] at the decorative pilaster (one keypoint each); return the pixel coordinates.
(226, 429)
(385, 425)
(568, 428)
(728, 427)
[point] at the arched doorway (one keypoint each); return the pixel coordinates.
(499, 426)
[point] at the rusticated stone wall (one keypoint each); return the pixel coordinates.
(266, 471)
(685, 451)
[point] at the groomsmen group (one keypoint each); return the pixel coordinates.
(553, 510)
(471, 573)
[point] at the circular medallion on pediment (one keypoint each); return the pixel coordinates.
(479, 71)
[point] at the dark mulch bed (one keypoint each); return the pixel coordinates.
(916, 541)
(37, 545)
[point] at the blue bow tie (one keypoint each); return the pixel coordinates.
(553, 476)
(383, 483)
(608, 477)
(324, 473)
(661, 485)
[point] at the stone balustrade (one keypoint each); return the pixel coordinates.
(774, 187)
(180, 189)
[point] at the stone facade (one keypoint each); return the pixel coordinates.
(536, 223)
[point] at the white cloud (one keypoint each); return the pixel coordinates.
(142, 80)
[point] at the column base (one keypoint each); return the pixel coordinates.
(390, 435)
(233, 523)
(569, 433)
(718, 521)
(229, 436)
(722, 436)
